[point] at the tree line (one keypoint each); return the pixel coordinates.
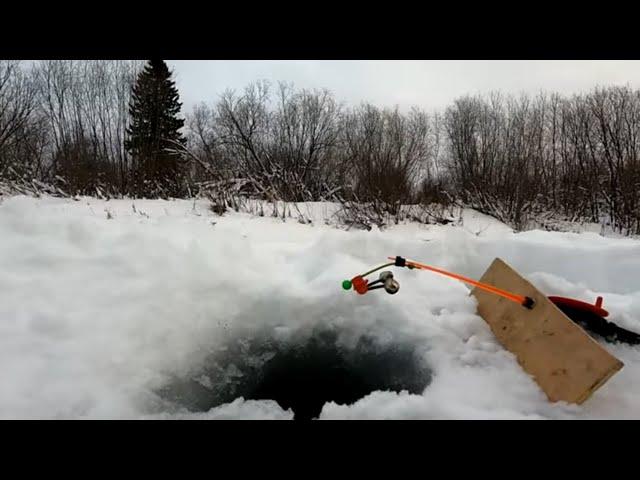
(114, 128)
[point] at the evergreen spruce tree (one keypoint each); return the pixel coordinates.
(154, 129)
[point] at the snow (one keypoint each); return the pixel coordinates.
(97, 314)
(239, 409)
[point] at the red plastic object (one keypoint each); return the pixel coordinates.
(579, 305)
(360, 284)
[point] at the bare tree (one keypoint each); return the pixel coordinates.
(388, 153)
(86, 107)
(17, 106)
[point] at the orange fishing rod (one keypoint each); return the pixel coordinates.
(589, 316)
(386, 281)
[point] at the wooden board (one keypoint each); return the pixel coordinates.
(563, 359)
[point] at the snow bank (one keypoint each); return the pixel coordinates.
(103, 302)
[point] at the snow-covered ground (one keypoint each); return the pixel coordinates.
(102, 303)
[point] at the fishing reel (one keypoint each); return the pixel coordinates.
(385, 280)
(362, 285)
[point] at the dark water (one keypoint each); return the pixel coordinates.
(300, 373)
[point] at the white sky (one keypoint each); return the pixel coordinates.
(428, 84)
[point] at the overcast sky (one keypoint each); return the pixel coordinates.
(428, 84)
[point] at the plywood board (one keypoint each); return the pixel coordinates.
(562, 358)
